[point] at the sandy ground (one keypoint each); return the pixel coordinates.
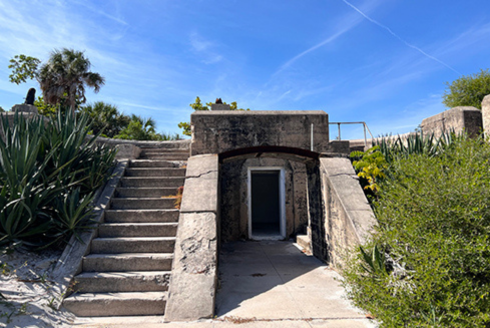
(27, 291)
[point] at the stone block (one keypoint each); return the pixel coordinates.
(216, 132)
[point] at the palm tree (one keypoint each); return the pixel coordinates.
(106, 117)
(64, 77)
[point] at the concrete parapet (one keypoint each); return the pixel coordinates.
(194, 271)
(216, 132)
(459, 119)
(485, 111)
(349, 218)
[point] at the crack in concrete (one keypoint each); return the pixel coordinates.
(200, 175)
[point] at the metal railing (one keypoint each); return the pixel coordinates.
(366, 129)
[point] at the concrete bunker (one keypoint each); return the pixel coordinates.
(255, 175)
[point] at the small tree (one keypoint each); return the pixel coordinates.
(468, 90)
(197, 105)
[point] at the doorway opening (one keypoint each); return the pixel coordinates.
(266, 203)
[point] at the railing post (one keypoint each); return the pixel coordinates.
(365, 138)
(338, 124)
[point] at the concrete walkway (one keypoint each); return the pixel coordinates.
(267, 285)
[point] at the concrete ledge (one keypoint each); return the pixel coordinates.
(70, 262)
(194, 271)
(350, 218)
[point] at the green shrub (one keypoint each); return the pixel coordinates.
(48, 173)
(433, 239)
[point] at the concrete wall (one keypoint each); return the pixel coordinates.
(215, 132)
(348, 215)
(458, 119)
(234, 196)
(194, 270)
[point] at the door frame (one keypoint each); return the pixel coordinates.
(282, 201)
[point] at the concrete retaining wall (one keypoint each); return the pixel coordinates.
(349, 218)
(460, 118)
(194, 271)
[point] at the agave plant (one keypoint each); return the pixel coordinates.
(44, 165)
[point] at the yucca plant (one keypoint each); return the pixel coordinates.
(48, 173)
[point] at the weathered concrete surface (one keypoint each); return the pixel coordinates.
(215, 132)
(194, 274)
(349, 218)
(24, 108)
(460, 118)
(485, 111)
(201, 185)
(275, 281)
(127, 151)
(70, 262)
(234, 195)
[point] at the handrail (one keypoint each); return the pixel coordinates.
(364, 125)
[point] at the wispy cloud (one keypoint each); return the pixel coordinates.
(347, 27)
(205, 49)
(101, 12)
(399, 38)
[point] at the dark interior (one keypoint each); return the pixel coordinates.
(265, 203)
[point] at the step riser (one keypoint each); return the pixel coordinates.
(150, 163)
(149, 172)
(137, 231)
(166, 158)
(126, 307)
(126, 203)
(141, 216)
(126, 264)
(165, 152)
(142, 182)
(145, 192)
(123, 284)
(116, 246)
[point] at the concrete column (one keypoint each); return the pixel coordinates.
(485, 111)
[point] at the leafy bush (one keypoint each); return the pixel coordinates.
(428, 263)
(48, 173)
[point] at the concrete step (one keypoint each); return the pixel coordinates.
(146, 151)
(142, 203)
(168, 157)
(152, 182)
(128, 216)
(152, 163)
(304, 242)
(108, 282)
(127, 262)
(133, 245)
(107, 230)
(145, 192)
(116, 304)
(154, 172)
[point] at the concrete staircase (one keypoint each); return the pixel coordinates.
(128, 269)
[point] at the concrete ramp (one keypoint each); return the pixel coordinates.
(274, 280)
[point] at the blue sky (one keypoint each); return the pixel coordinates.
(380, 61)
